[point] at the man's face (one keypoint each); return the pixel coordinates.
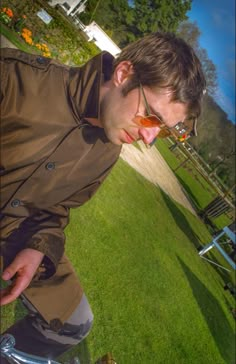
(117, 112)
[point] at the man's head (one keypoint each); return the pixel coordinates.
(163, 74)
(161, 60)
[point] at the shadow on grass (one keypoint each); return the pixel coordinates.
(213, 314)
(225, 275)
(80, 351)
(184, 226)
(189, 193)
(181, 220)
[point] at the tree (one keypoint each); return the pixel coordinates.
(210, 71)
(128, 23)
(222, 160)
(216, 140)
(113, 16)
(158, 15)
(190, 32)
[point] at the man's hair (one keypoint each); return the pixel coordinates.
(163, 60)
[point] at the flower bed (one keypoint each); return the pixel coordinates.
(6, 15)
(26, 34)
(7, 18)
(60, 39)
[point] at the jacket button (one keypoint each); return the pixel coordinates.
(2, 170)
(40, 60)
(15, 203)
(56, 325)
(50, 166)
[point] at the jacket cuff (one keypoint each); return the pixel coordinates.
(51, 258)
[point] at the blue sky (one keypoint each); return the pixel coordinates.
(216, 21)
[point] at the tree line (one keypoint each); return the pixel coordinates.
(216, 133)
(126, 21)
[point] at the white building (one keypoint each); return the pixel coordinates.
(93, 30)
(71, 7)
(99, 37)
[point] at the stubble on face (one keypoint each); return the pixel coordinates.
(112, 117)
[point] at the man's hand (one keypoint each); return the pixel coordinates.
(23, 269)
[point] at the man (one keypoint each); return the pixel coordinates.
(62, 129)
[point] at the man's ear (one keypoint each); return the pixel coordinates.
(122, 72)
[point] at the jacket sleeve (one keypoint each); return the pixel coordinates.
(45, 230)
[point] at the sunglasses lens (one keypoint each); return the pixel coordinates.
(150, 122)
(147, 121)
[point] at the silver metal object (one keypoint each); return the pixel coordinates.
(14, 356)
(214, 243)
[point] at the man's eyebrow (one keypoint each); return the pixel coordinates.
(156, 113)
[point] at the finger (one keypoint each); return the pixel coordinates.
(12, 292)
(5, 296)
(3, 292)
(20, 284)
(10, 271)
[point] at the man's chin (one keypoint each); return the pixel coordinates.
(117, 142)
(113, 139)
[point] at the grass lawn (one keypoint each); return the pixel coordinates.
(154, 299)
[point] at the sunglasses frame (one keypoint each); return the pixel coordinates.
(159, 122)
(167, 131)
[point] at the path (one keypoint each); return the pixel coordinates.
(154, 168)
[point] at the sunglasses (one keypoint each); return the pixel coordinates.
(150, 121)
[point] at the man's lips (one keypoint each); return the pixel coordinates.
(129, 138)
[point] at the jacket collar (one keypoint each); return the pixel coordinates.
(84, 85)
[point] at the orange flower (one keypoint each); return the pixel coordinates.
(8, 12)
(26, 31)
(46, 54)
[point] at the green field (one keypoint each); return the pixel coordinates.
(153, 298)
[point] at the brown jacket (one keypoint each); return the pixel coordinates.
(52, 159)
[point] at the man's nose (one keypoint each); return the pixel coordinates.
(148, 134)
